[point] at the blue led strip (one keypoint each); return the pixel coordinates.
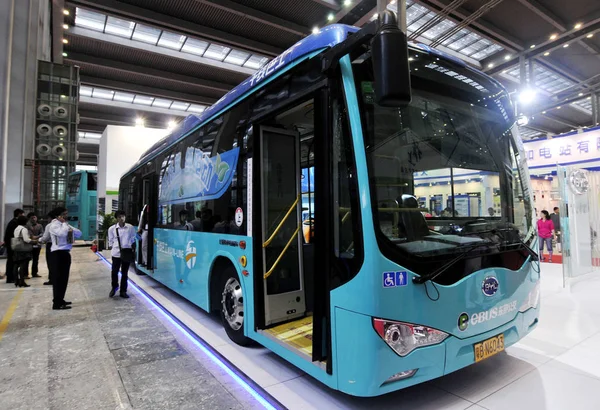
(257, 392)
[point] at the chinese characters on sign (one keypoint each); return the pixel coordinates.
(575, 148)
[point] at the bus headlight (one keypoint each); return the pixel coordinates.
(403, 338)
(532, 300)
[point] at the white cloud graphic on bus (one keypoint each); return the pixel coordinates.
(200, 176)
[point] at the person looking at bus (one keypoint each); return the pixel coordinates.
(8, 235)
(36, 230)
(545, 229)
(21, 258)
(121, 237)
(62, 236)
(46, 239)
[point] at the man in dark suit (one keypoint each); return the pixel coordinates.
(8, 235)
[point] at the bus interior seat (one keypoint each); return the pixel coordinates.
(412, 225)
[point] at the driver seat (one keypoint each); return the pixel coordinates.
(412, 224)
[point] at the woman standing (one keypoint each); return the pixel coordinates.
(21, 258)
(545, 229)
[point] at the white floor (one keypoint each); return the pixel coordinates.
(556, 367)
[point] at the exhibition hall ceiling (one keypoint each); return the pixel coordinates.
(158, 60)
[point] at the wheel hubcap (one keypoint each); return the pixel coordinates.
(232, 304)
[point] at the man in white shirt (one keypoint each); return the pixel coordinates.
(121, 238)
(62, 236)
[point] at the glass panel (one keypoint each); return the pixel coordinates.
(217, 52)
(85, 91)
(119, 27)
(179, 106)
(161, 103)
(256, 62)
(146, 34)
(464, 41)
(196, 108)
(89, 19)
(194, 46)
(237, 57)
(143, 100)
(487, 52)
(124, 97)
(439, 29)
(171, 40)
(101, 93)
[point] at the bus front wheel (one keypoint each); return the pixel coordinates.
(232, 307)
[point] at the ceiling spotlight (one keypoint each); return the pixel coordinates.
(315, 30)
(553, 36)
(65, 41)
(411, 59)
(393, 2)
(66, 26)
(559, 107)
(64, 54)
(507, 57)
(66, 12)
(547, 53)
(330, 17)
(505, 71)
(566, 45)
(527, 96)
(347, 2)
(590, 35)
(578, 26)
(171, 125)
(139, 122)
(581, 94)
(532, 46)
(491, 65)
(543, 112)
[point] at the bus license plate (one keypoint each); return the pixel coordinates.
(488, 348)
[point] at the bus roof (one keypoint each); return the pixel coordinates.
(327, 37)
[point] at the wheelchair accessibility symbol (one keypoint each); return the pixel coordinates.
(394, 279)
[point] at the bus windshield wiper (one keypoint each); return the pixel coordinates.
(442, 269)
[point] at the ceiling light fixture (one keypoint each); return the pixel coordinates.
(64, 54)
(578, 26)
(553, 36)
(590, 35)
(532, 46)
(566, 45)
(139, 122)
(66, 26)
(491, 65)
(66, 12)
(547, 53)
(507, 57)
(559, 107)
(581, 94)
(65, 41)
(172, 124)
(347, 2)
(330, 17)
(527, 96)
(315, 30)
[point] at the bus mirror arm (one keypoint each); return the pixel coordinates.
(389, 56)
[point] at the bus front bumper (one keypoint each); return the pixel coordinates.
(366, 366)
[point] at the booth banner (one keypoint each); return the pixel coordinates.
(563, 150)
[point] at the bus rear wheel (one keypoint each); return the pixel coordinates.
(232, 307)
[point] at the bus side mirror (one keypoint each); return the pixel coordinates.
(389, 54)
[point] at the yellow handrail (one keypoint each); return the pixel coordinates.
(295, 235)
(268, 241)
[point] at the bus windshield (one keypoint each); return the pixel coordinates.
(443, 171)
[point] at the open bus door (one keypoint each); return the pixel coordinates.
(147, 218)
(292, 300)
(281, 212)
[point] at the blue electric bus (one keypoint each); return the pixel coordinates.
(382, 296)
(81, 202)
